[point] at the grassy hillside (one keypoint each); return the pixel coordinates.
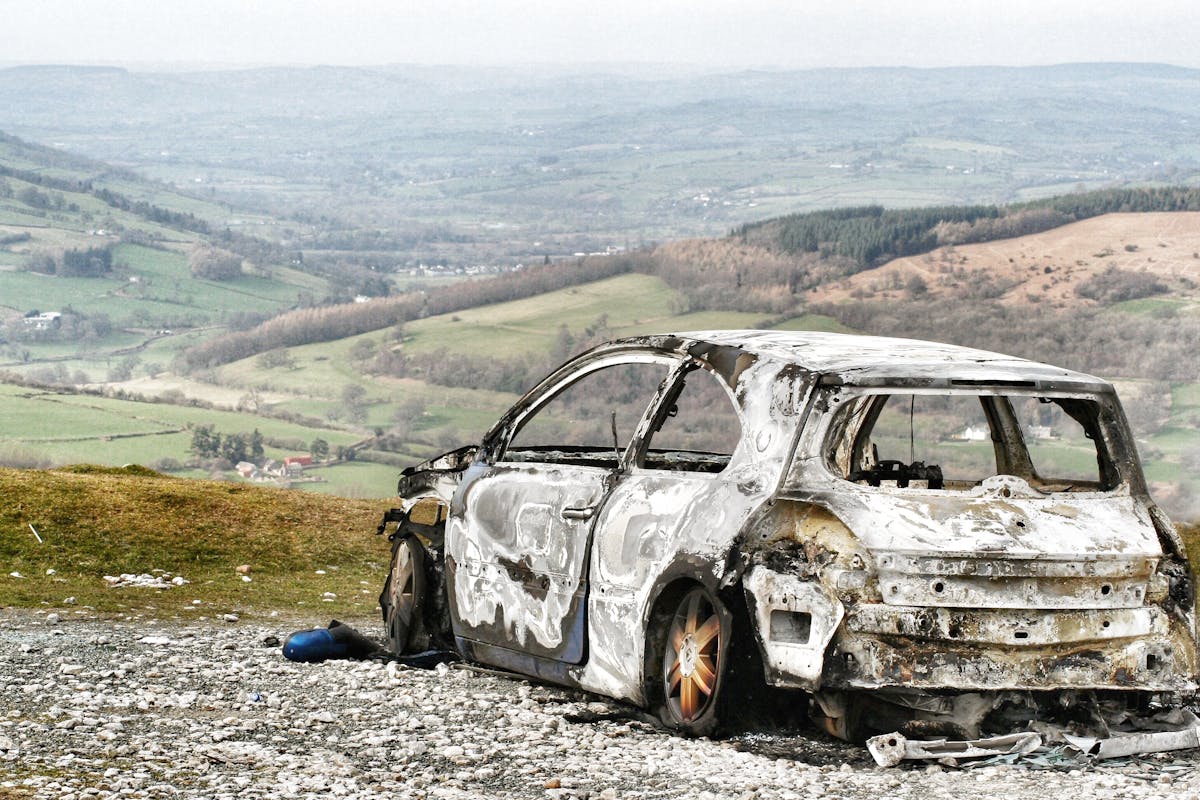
(95, 522)
(54, 204)
(869, 236)
(529, 331)
(1053, 267)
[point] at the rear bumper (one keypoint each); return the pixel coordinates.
(880, 646)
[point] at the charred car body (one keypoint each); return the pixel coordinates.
(899, 529)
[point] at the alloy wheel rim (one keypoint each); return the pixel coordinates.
(400, 592)
(692, 655)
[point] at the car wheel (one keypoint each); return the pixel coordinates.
(403, 594)
(693, 641)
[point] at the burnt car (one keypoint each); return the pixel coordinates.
(892, 529)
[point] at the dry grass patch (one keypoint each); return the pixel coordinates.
(1191, 538)
(1046, 267)
(98, 521)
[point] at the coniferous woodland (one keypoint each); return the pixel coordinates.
(871, 235)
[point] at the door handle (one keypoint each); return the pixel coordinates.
(578, 513)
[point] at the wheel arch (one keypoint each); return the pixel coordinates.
(668, 590)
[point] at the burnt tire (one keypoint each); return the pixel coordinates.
(686, 662)
(403, 597)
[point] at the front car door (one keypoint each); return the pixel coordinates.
(517, 538)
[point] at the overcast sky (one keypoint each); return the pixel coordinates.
(786, 33)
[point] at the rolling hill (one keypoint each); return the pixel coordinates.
(162, 352)
(481, 165)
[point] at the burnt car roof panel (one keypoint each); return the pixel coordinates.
(877, 360)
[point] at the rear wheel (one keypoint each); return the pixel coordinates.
(691, 641)
(403, 595)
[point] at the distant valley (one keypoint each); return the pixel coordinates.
(187, 289)
(403, 165)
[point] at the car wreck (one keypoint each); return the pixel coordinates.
(902, 535)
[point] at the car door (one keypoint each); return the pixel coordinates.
(517, 539)
(711, 455)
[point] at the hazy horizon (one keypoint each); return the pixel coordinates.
(772, 34)
(633, 67)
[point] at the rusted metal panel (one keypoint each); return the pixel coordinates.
(1137, 743)
(1150, 663)
(1008, 628)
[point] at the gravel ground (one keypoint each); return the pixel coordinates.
(131, 709)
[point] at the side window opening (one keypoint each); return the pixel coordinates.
(1065, 443)
(575, 425)
(697, 430)
(955, 441)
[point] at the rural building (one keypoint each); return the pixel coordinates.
(973, 434)
(43, 321)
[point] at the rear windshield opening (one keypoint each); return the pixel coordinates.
(957, 440)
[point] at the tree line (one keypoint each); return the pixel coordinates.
(328, 323)
(91, 262)
(148, 211)
(233, 447)
(871, 235)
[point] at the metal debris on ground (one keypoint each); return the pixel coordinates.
(1171, 730)
(1129, 744)
(890, 749)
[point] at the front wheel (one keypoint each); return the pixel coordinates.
(692, 643)
(403, 595)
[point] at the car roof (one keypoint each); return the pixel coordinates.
(877, 360)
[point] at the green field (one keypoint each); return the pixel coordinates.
(155, 285)
(1155, 306)
(63, 428)
(814, 322)
(527, 326)
(630, 304)
(152, 291)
